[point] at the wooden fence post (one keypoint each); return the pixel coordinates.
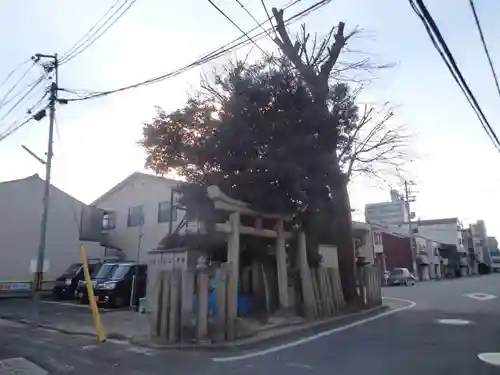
(202, 304)
(282, 271)
(220, 303)
(187, 295)
(174, 320)
(156, 304)
(362, 284)
(317, 292)
(325, 292)
(305, 278)
(165, 314)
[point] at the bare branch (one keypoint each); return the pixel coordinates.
(374, 144)
(316, 76)
(334, 52)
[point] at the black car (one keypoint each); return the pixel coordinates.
(98, 275)
(67, 283)
(117, 289)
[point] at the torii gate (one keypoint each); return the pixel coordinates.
(234, 228)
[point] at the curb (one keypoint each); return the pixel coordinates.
(287, 331)
(255, 340)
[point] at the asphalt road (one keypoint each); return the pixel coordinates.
(410, 338)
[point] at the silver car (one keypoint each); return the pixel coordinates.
(401, 276)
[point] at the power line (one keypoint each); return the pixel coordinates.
(441, 46)
(255, 20)
(221, 51)
(12, 72)
(81, 40)
(33, 86)
(238, 27)
(33, 112)
(85, 44)
(2, 102)
(15, 128)
(483, 41)
(268, 15)
(23, 91)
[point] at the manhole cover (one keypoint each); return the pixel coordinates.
(19, 366)
(490, 358)
(454, 322)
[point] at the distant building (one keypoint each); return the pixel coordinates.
(387, 213)
(448, 233)
(469, 248)
(480, 243)
(494, 253)
(20, 215)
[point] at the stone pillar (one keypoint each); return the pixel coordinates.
(282, 267)
(233, 258)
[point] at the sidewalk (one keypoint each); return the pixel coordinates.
(127, 325)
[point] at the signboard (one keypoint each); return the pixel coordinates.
(33, 265)
(91, 221)
(6, 286)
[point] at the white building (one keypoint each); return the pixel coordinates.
(446, 231)
(139, 208)
(20, 216)
(387, 213)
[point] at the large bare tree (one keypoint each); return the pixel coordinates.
(316, 67)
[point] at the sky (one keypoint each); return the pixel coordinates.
(455, 165)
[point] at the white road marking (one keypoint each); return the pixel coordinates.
(70, 304)
(300, 365)
(89, 347)
(278, 348)
(480, 296)
(65, 304)
(490, 358)
(454, 322)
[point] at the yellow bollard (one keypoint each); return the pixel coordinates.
(92, 300)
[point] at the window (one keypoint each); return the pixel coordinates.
(135, 216)
(109, 220)
(164, 212)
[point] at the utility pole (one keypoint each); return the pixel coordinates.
(407, 199)
(52, 66)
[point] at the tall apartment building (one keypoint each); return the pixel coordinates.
(387, 213)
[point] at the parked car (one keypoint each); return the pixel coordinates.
(116, 290)
(386, 276)
(401, 276)
(67, 283)
(100, 274)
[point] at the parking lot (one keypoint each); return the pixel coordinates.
(73, 317)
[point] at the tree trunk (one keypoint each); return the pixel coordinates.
(343, 238)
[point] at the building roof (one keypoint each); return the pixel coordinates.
(128, 180)
(36, 177)
(32, 177)
(450, 220)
